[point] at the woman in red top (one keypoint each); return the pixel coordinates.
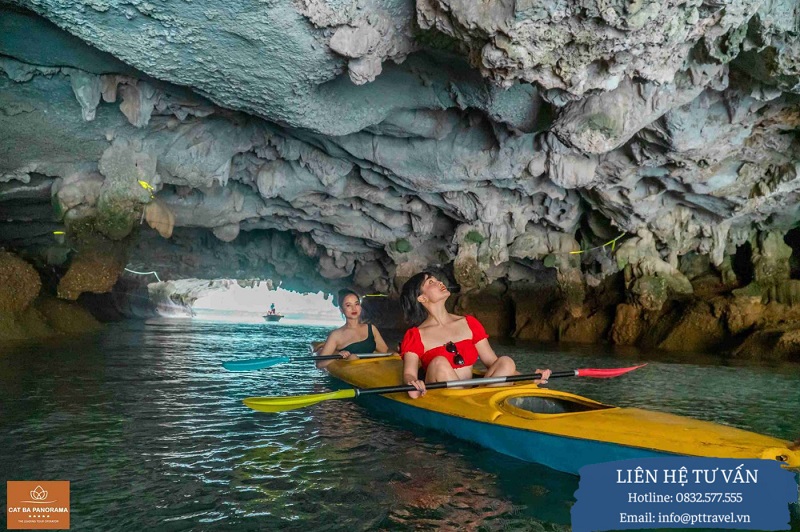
(445, 345)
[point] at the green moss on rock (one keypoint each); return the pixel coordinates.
(650, 292)
(602, 123)
(401, 245)
(116, 217)
(474, 237)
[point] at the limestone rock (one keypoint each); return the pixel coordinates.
(19, 283)
(600, 123)
(771, 258)
(649, 279)
(577, 48)
(770, 345)
(24, 325)
(26, 314)
(628, 323)
(649, 292)
(93, 270)
(491, 308)
(87, 90)
(65, 317)
(698, 330)
(743, 315)
(591, 329)
(324, 143)
(558, 251)
(159, 217)
(532, 316)
(786, 292)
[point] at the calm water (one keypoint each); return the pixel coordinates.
(150, 431)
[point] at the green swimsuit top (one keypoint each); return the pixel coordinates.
(364, 346)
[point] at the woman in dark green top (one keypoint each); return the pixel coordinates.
(353, 337)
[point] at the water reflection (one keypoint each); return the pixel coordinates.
(153, 435)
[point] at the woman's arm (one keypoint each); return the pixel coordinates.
(328, 349)
(495, 366)
(502, 366)
(380, 344)
(486, 353)
(411, 374)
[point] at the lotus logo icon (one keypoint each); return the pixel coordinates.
(38, 494)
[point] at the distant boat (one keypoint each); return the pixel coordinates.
(273, 317)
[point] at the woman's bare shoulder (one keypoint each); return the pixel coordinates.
(336, 333)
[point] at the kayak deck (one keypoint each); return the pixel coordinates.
(539, 415)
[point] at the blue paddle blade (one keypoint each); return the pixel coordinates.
(253, 363)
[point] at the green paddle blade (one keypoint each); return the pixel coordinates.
(292, 402)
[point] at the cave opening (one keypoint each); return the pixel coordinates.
(235, 302)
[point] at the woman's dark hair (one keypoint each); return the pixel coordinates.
(343, 293)
(413, 311)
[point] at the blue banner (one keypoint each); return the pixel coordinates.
(684, 493)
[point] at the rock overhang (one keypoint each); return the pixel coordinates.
(338, 146)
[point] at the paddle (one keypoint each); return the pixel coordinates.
(261, 363)
(292, 402)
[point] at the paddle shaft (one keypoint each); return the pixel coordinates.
(281, 404)
(467, 382)
(261, 363)
(335, 357)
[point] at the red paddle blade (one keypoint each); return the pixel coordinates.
(605, 373)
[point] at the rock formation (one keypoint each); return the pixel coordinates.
(26, 313)
(626, 162)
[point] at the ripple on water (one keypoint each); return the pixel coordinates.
(152, 434)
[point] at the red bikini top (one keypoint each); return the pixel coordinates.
(412, 343)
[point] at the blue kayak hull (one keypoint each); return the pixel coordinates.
(557, 452)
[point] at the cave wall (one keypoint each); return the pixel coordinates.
(541, 153)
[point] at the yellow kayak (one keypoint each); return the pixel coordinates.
(561, 430)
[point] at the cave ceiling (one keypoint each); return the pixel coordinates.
(328, 143)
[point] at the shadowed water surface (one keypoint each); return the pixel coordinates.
(151, 433)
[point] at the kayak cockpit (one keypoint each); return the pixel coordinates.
(538, 406)
(551, 405)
